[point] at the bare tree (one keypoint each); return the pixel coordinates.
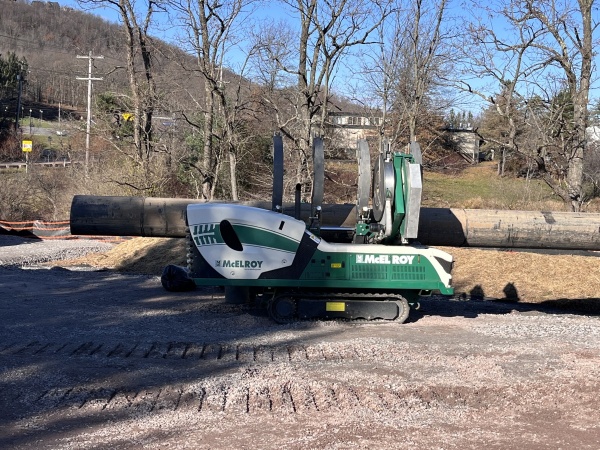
(546, 44)
(136, 18)
(211, 27)
(425, 55)
(326, 31)
(403, 73)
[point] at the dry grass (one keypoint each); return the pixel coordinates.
(138, 255)
(525, 276)
(479, 187)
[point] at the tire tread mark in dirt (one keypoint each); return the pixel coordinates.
(42, 395)
(82, 349)
(77, 397)
(245, 354)
(169, 399)
(188, 400)
(141, 350)
(43, 348)
(178, 401)
(55, 396)
(353, 392)
(145, 400)
(298, 353)
(116, 351)
(175, 350)
(122, 399)
(61, 348)
(259, 399)
(287, 398)
(110, 399)
(96, 350)
(158, 351)
(5, 348)
(311, 396)
(185, 350)
(100, 397)
(223, 397)
(242, 353)
(229, 353)
(211, 352)
(154, 400)
(266, 392)
(371, 400)
(130, 352)
(270, 400)
(325, 398)
(299, 397)
(194, 351)
(280, 354)
(262, 354)
(225, 394)
(202, 395)
(24, 350)
(147, 354)
(383, 400)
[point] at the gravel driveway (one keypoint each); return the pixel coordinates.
(99, 360)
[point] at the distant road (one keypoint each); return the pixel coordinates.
(37, 131)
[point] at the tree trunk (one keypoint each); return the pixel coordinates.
(208, 152)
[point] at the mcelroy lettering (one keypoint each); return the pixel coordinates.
(385, 259)
(241, 264)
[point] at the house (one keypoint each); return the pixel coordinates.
(465, 141)
(346, 128)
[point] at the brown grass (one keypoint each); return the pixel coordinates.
(525, 276)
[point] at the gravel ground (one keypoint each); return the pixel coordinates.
(17, 251)
(105, 360)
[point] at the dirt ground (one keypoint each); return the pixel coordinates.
(105, 359)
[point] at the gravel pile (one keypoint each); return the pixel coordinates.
(33, 251)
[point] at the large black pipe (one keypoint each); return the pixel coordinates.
(452, 227)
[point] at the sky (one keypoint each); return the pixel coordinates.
(267, 10)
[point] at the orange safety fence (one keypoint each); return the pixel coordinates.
(39, 229)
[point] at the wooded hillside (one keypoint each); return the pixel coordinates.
(50, 38)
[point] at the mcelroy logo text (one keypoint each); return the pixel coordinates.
(385, 259)
(239, 264)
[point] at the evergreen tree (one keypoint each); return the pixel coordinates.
(10, 67)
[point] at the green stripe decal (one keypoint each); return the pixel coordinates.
(264, 238)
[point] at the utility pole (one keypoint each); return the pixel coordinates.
(20, 80)
(89, 79)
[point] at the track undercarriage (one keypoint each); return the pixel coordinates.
(290, 306)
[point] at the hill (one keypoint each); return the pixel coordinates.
(51, 37)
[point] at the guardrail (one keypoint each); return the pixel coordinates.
(23, 165)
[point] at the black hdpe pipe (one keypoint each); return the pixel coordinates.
(451, 227)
